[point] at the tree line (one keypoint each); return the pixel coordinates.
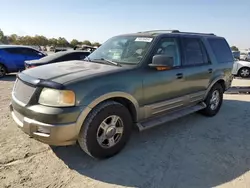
(42, 41)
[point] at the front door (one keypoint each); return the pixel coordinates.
(165, 90)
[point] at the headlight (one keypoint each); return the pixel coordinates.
(57, 98)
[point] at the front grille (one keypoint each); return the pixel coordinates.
(23, 92)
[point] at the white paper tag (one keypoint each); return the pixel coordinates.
(143, 39)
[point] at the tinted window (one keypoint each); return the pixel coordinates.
(13, 50)
(221, 50)
(68, 57)
(194, 52)
(22, 51)
(169, 47)
(29, 52)
(73, 56)
(82, 55)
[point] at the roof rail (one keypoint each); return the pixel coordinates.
(173, 31)
(159, 31)
(194, 33)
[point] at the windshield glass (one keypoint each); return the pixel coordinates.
(122, 49)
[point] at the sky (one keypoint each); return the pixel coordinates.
(98, 20)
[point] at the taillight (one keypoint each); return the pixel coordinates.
(31, 66)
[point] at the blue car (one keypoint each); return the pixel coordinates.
(12, 58)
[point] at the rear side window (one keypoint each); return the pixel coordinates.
(195, 53)
(29, 52)
(13, 50)
(68, 57)
(82, 55)
(221, 50)
(22, 51)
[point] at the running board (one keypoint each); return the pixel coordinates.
(170, 116)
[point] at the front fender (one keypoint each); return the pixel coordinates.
(92, 100)
(107, 92)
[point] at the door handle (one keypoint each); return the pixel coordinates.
(179, 75)
(210, 70)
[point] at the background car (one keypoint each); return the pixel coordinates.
(236, 54)
(12, 58)
(245, 55)
(241, 68)
(57, 57)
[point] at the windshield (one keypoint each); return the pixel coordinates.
(122, 49)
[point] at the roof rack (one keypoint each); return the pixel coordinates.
(174, 31)
(160, 31)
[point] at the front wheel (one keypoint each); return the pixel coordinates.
(213, 101)
(2, 71)
(106, 130)
(244, 72)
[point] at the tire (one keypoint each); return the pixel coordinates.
(244, 72)
(89, 133)
(209, 110)
(3, 71)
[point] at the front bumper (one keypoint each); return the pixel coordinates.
(53, 134)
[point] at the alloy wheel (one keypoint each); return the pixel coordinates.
(110, 131)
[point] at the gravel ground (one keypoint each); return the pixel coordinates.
(193, 151)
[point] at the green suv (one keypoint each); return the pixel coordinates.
(134, 80)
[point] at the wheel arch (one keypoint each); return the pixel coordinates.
(121, 97)
(243, 67)
(4, 66)
(220, 81)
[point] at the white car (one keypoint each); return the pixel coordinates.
(241, 68)
(245, 56)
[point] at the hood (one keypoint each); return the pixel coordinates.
(243, 63)
(69, 70)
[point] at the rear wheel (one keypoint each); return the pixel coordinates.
(244, 72)
(213, 101)
(106, 130)
(2, 71)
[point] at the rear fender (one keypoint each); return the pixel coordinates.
(217, 79)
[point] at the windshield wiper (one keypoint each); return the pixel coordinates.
(109, 61)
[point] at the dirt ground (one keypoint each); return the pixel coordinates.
(193, 151)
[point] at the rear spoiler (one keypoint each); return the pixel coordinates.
(39, 82)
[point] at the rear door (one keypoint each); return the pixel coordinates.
(15, 57)
(31, 54)
(197, 67)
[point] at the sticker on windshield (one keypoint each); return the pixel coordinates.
(143, 39)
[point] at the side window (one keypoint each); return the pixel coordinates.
(13, 50)
(169, 47)
(29, 52)
(67, 57)
(194, 52)
(221, 50)
(72, 56)
(83, 55)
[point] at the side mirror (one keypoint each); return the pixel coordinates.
(162, 62)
